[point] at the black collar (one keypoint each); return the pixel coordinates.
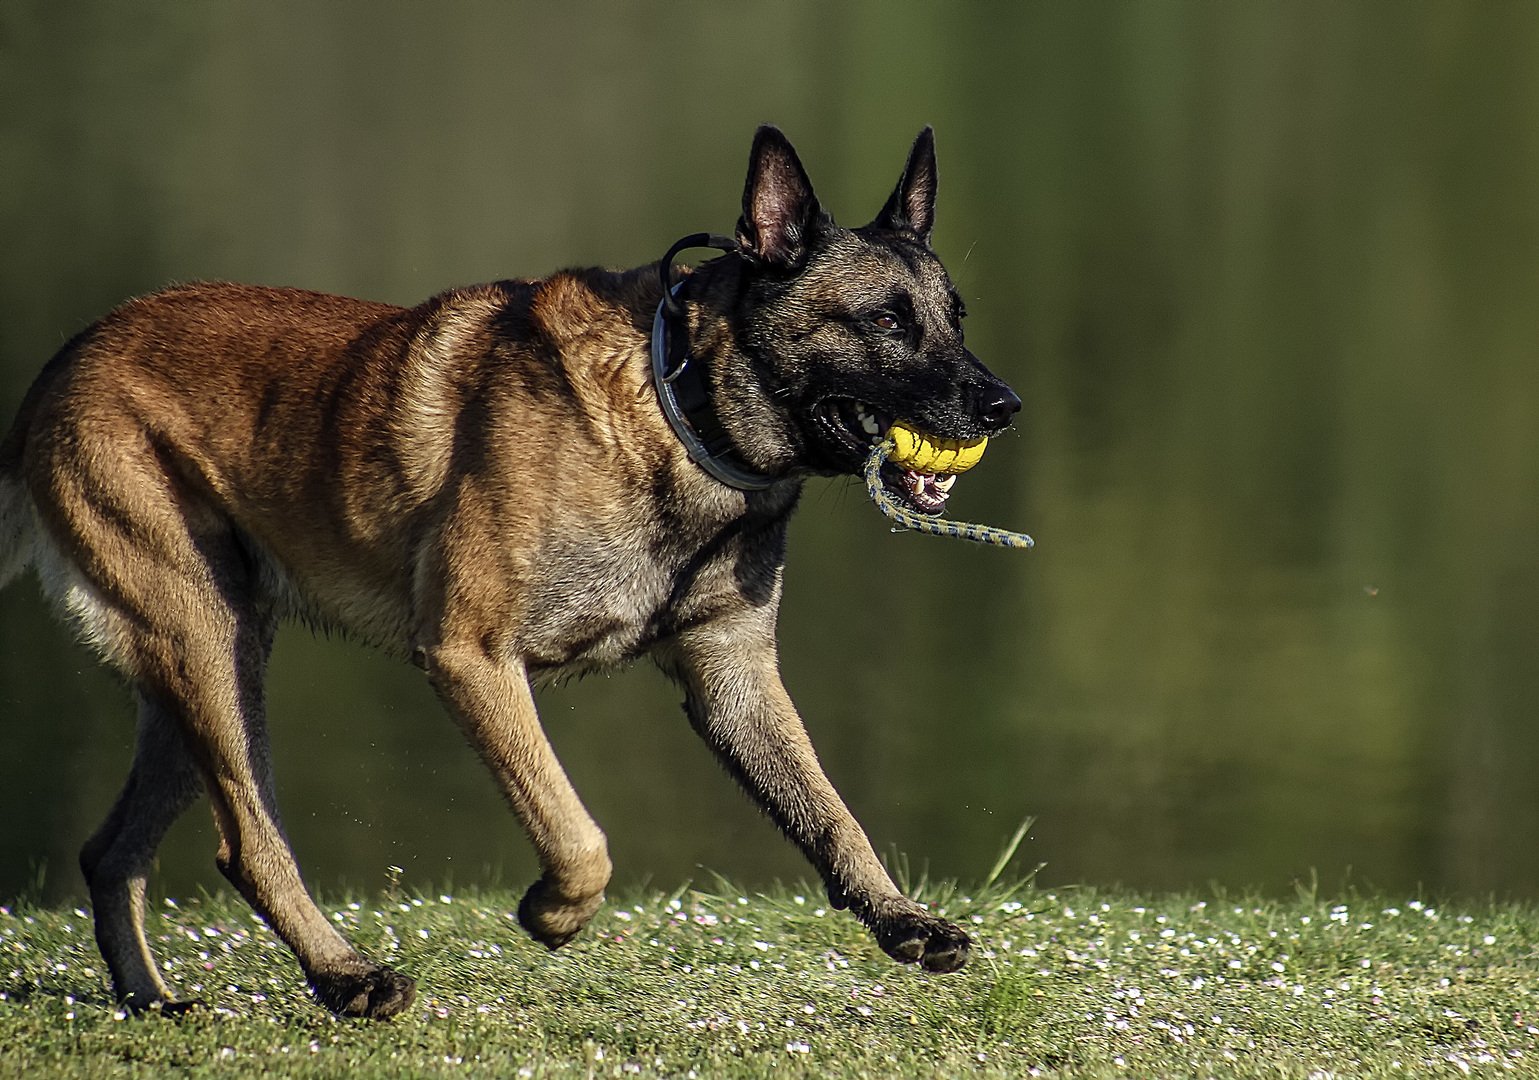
(683, 382)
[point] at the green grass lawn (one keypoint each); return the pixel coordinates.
(1064, 983)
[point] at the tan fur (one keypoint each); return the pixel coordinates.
(484, 484)
(208, 460)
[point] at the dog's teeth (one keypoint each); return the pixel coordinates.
(868, 422)
(944, 484)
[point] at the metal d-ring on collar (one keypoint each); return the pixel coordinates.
(683, 387)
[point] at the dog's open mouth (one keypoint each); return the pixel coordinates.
(854, 428)
(925, 492)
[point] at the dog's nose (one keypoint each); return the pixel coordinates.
(997, 407)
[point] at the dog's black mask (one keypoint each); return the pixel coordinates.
(840, 332)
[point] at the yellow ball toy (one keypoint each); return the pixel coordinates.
(912, 449)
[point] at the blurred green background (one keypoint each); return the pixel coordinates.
(1266, 275)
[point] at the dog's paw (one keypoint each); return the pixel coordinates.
(550, 918)
(913, 935)
(178, 1009)
(162, 1006)
(377, 994)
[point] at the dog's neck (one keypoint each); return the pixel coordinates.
(683, 388)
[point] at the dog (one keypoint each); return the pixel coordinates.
(510, 482)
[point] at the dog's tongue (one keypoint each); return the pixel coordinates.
(926, 490)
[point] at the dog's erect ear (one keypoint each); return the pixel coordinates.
(780, 212)
(911, 207)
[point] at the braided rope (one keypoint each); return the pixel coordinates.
(907, 519)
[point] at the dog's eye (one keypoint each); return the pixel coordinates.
(886, 320)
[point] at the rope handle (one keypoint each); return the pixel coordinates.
(907, 519)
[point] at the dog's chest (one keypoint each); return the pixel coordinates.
(600, 600)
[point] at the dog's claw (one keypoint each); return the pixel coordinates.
(552, 920)
(163, 1007)
(371, 995)
(178, 1009)
(918, 937)
(948, 955)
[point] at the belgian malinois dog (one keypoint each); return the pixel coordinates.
(508, 482)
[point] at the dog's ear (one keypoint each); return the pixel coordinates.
(780, 212)
(911, 207)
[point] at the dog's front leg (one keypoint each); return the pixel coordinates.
(490, 699)
(738, 704)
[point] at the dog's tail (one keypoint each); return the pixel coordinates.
(17, 539)
(21, 538)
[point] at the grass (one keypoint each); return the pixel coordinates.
(1065, 983)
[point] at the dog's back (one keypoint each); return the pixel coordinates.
(311, 437)
(154, 404)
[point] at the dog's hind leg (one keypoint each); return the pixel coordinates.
(162, 783)
(198, 663)
(163, 585)
(223, 715)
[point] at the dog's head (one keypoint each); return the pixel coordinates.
(825, 336)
